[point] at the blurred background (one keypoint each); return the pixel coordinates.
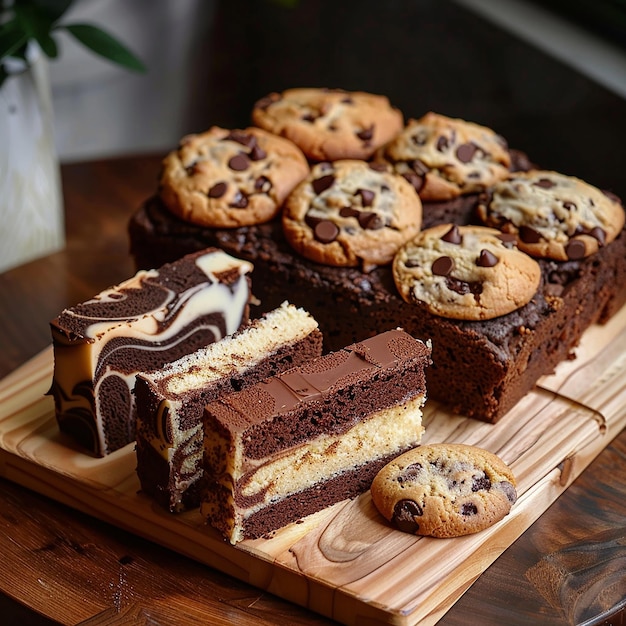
(209, 60)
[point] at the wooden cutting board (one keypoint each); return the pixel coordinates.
(345, 562)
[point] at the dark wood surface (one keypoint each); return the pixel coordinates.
(568, 568)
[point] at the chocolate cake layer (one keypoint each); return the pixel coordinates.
(338, 414)
(139, 325)
(481, 368)
(170, 401)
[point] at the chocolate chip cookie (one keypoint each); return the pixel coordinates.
(553, 215)
(350, 213)
(465, 272)
(444, 158)
(444, 490)
(330, 124)
(229, 178)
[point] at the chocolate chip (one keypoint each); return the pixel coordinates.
(415, 180)
(191, 169)
(411, 263)
(420, 138)
(309, 117)
(529, 235)
(367, 196)
(575, 249)
(366, 134)
(239, 162)
(463, 287)
(508, 490)
(466, 151)
(323, 183)
(509, 240)
(370, 221)
(453, 235)
(347, 100)
(326, 231)
(469, 508)
(544, 183)
(262, 184)
(348, 211)
(486, 259)
(442, 144)
(240, 201)
(569, 206)
(404, 514)
(442, 266)
(257, 153)
(599, 234)
(480, 483)
(411, 472)
(378, 167)
(218, 190)
(245, 139)
(419, 167)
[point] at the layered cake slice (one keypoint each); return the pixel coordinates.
(315, 435)
(139, 325)
(170, 401)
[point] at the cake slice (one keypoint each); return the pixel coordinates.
(170, 401)
(317, 434)
(139, 325)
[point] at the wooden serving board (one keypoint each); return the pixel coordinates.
(345, 562)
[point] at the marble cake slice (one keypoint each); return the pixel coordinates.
(139, 325)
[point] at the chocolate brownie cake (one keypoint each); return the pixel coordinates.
(312, 436)
(170, 401)
(481, 367)
(139, 325)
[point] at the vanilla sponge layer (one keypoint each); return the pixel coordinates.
(268, 481)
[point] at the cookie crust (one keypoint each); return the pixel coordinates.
(230, 178)
(552, 215)
(465, 272)
(350, 214)
(446, 157)
(330, 124)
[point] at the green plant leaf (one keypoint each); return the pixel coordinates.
(48, 45)
(105, 45)
(12, 39)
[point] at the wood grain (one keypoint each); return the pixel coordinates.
(345, 562)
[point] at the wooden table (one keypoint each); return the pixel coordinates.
(72, 569)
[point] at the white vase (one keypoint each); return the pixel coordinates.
(31, 205)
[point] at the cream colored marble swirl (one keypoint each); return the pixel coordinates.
(264, 482)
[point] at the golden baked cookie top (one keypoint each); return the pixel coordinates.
(330, 124)
(465, 272)
(553, 215)
(444, 490)
(445, 157)
(351, 213)
(229, 178)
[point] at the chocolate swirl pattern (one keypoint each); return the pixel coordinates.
(139, 325)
